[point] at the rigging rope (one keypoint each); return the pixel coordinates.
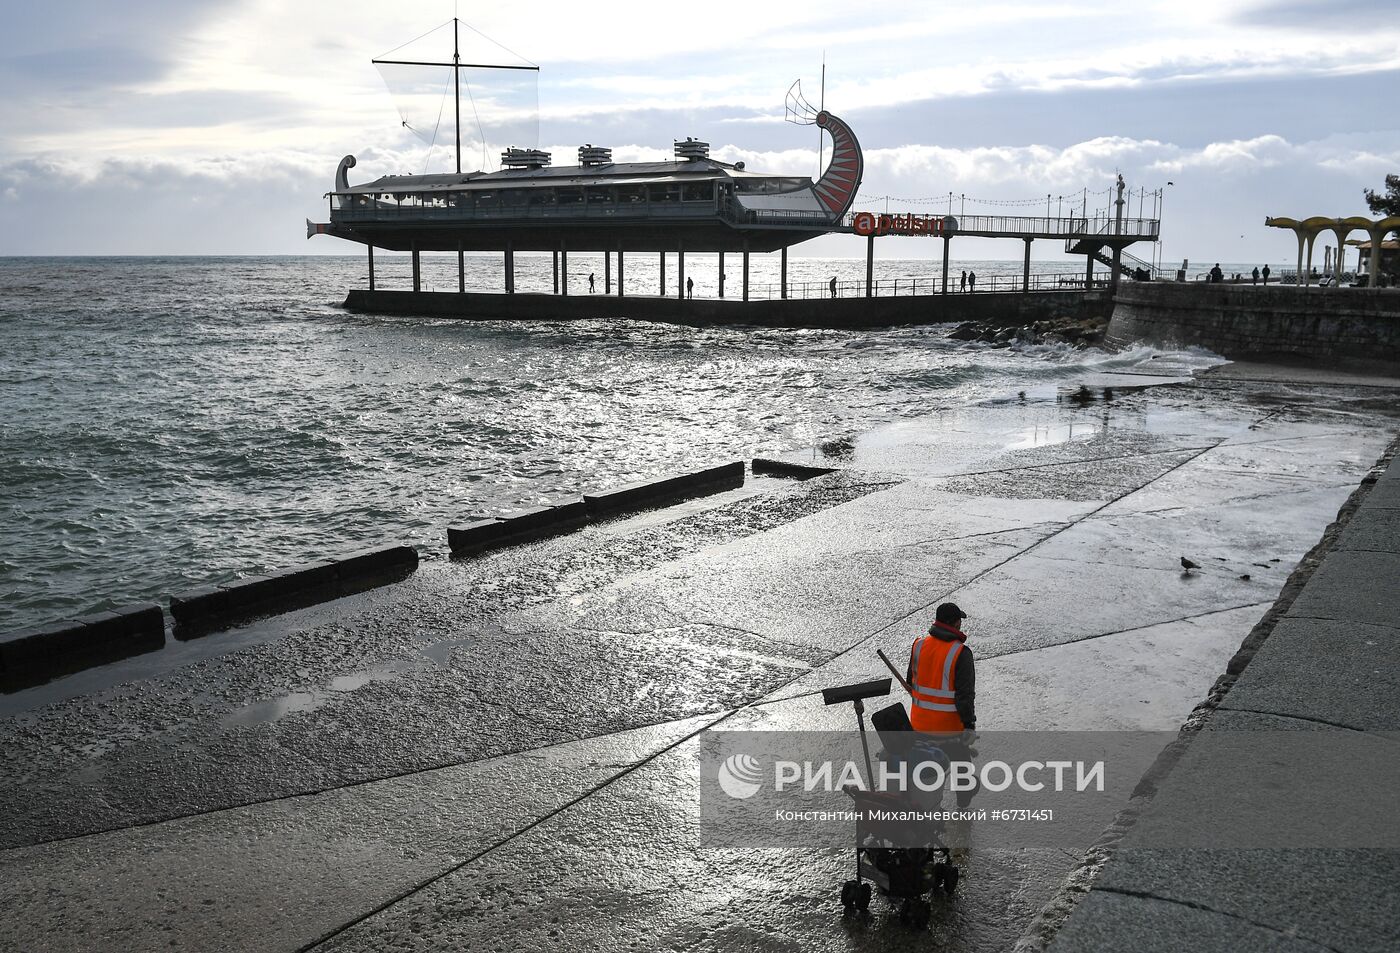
(414, 40)
(436, 126)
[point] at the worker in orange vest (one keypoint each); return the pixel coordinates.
(943, 685)
(941, 677)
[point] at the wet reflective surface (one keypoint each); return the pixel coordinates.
(500, 753)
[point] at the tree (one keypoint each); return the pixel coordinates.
(1389, 202)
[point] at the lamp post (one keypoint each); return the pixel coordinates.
(1161, 204)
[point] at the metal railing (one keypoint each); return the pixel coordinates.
(726, 208)
(922, 285)
(1068, 227)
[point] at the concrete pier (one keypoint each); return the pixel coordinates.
(501, 753)
(862, 312)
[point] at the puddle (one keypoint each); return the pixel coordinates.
(1049, 434)
(274, 709)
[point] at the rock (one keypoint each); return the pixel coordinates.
(967, 331)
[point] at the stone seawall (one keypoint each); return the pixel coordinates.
(1241, 321)
(1008, 310)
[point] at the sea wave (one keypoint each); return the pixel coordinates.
(209, 418)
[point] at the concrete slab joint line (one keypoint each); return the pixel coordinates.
(200, 611)
(39, 654)
(1044, 931)
(541, 522)
(1203, 908)
(536, 822)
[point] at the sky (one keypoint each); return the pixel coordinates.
(215, 126)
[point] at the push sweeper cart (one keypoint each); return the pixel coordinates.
(905, 869)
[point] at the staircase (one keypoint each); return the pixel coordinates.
(1131, 265)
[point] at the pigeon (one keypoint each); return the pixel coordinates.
(1245, 577)
(1187, 565)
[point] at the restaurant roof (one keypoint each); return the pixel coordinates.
(632, 172)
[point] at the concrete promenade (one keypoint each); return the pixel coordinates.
(501, 753)
(1330, 661)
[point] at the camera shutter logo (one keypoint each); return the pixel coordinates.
(739, 776)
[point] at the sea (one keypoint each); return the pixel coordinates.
(171, 422)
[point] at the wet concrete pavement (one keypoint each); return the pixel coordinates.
(1327, 666)
(501, 752)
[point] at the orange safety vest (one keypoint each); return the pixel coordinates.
(932, 660)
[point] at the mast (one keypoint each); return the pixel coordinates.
(456, 66)
(820, 144)
(457, 91)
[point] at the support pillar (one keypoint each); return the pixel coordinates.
(1373, 268)
(782, 272)
(721, 274)
(619, 271)
(662, 292)
(510, 268)
(554, 255)
(1117, 268)
(870, 266)
(417, 284)
(1339, 265)
(461, 270)
(947, 240)
(607, 272)
(1306, 278)
(1089, 270)
(680, 271)
(746, 269)
(1026, 269)
(371, 266)
(563, 271)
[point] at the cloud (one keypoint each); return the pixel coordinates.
(1319, 16)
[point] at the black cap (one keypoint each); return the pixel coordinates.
(949, 613)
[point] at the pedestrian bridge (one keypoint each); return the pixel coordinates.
(1083, 235)
(1072, 228)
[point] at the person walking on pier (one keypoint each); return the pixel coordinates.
(690, 287)
(1265, 273)
(833, 286)
(1256, 276)
(972, 281)
(590, 282)
(962, 283)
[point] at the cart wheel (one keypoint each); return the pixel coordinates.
(863, 897)
(950, 879)
(938, 873)
(848, 894)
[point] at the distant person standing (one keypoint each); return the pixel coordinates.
(1265, 273)
(1216, 275)
(972, 281)
(962, 285)
(1256, 275)
(832, 285)
(591, 282)
(690, 287)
